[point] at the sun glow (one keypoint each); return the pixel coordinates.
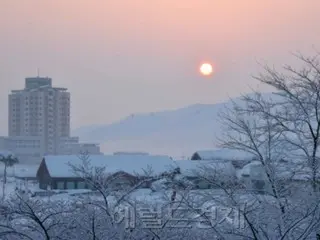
(206, 69)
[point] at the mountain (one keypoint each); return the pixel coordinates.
(178, 132)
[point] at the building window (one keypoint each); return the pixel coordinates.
(71, 185)
(81, 185)
(60, 185)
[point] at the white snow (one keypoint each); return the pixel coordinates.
(20, 170)
(247, 168)
(58, 166)
(284, 170)
(194, 168)
(23, 171)
(224, 154)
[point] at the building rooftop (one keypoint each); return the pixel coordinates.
(59, 166)
(222, 154)
(196, 168)
(37, 84)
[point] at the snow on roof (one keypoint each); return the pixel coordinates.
(283, 170)
(23, 171)
(224, 154)
(296, 172)
(130, 153)
(247, 168)
(58, 166)
(193, 168)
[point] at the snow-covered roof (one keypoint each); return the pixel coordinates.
(59, 166)
(224, 154)
(131, 153)
(23, 171)
(194, 168)
(297, 173)
(247, 168)
(283, 170)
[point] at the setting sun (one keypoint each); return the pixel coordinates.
(206, 69)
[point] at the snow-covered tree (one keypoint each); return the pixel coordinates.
(282, 132)
(8, 159)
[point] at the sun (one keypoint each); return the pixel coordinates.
(206, 69)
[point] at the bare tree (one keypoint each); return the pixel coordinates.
(113, 198)
(236, 212)
(282, 134)
(296, 109)
(36, 219)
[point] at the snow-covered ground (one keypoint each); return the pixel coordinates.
(20, 170)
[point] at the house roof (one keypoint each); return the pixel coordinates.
(224, 154)
(59, 166)
(194, 168)
(247, 168)
(289, 170)
(25, 171)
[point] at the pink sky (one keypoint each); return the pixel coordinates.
(127, 56)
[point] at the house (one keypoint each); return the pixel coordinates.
(254, 176)
(206, 174)
(238, 158)
(56, 172)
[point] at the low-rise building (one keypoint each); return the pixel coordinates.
(206, 174)
(72, 146)
(254, 176)
(236, 157)
(28, 149)
(57, 172)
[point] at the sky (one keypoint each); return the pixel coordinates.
(119, 57)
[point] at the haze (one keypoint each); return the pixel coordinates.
(119, 57)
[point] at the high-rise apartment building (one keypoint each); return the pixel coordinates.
(39, 122)
(40, 110)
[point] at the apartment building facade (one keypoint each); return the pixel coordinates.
(40, 113)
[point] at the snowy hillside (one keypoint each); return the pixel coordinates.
(177, 133)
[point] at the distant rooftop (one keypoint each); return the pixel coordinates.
(222, 154)
(36, 82)
(59, 165)
(131, 153)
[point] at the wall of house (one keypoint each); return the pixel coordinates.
(115, 182)
(68, 183)
(43, 176)
(195, 156)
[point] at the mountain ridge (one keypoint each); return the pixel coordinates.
(177, 132)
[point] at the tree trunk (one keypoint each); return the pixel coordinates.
(4, 181)
(121, 237)
(5, 174)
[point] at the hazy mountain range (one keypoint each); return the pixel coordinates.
(177, 133)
